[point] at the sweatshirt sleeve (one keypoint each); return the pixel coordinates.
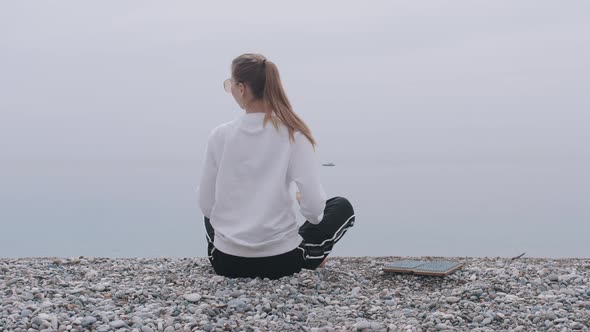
(206, 189)
(304, 169)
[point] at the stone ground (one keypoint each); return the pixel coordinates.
(184, 294)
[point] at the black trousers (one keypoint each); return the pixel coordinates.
(318, 241)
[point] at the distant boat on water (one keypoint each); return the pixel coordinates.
(329, 164)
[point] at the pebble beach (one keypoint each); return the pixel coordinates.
(347, 294)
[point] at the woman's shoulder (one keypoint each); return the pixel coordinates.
(223, 128)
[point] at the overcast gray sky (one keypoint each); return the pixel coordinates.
(103, 102)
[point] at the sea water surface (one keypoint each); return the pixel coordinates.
(148, 208)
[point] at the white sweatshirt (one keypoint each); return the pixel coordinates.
(245, 187)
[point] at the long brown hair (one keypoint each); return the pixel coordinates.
(262, 76)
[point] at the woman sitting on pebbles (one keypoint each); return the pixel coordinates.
(244, 191)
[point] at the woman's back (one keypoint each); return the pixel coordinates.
(253, 209)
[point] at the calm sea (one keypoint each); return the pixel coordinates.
(408, 207)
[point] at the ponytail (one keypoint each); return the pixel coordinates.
(275, 97)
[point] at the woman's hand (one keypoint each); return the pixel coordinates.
(298, 196)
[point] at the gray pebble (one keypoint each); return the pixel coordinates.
(363, 325)
(88, 320)
(236, 304)
(192, 297)
(453, 299)
(577, 326)
(103, 328)
(117, 324)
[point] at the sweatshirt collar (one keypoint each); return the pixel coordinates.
(253, 117)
